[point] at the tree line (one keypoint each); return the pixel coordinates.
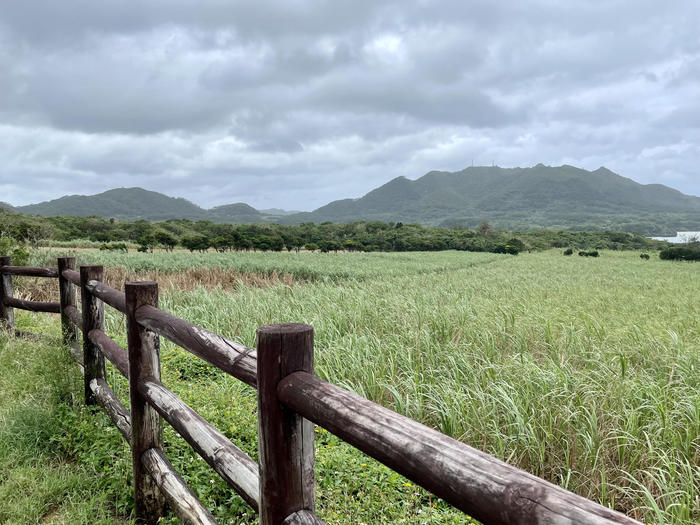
(325, 237)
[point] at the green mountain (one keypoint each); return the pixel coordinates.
(137, 203)
(238, 212)
(120, 203)
(563, 197)
(519, 198)
(6, 207)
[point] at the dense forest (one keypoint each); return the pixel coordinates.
(357, 236)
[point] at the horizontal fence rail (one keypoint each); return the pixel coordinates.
(32, 306)
(467, 478)
(233, 358)
(290, 400)
(28, 271)
(230, 462)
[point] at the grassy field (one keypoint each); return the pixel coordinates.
(583, 371)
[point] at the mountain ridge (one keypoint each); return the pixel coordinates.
(566, 197)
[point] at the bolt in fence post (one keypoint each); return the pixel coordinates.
(286, 440)
(7, 313)
(146, 425)
(68, 296)
(93, 319)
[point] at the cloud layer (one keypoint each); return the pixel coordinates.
(293, 104)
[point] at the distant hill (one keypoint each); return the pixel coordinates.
(6, 207)
(278, 212)
(238, 212)
(519, 198)
(137, 203)
(120, 203)
(563, 197)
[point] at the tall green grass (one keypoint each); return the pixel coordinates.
(582, 371)
(303, 265)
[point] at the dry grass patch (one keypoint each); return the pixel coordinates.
(187, 280)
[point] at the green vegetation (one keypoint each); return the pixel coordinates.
(201, 236)
(561, 197)
(58, 462)
(558, 197)
(582, 371)
(687, 252)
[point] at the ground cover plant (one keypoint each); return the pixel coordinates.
(583, 371)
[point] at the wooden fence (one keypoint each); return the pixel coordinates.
(291, 399)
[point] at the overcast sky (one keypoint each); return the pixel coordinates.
(296, 103)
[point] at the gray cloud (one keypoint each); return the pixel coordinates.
(293, 104)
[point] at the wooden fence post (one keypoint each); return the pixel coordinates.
(68, 295)
(93, 319)
(146, 425)
(7, 313)
(285, 439)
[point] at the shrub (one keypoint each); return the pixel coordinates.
(15, 249)
(115, 246)
(681, 253)
(568, 251)
(506, 248)
(644, 256)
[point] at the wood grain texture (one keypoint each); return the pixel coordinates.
(111, 350)
(32, 306)
(28, 271)
(229, 356)
(68, 298)
(479, 484)
(72, 276)
(285, 439)
(7, 314)
(75, 316)
(181, 498)
(303, 517)
(93, 319)
(119, 415)
(146, 425)
(109, 295)
(230, 462)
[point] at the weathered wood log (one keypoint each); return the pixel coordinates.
(111, 350)
(285, 439)
(93, 319)
(233, 358)
(185, 504)
(109, 295)
(230, 462)
(479, 484)
(303, 517)
(146, 425)
(68, 297)
(28, 271)
(33, 306)
(115, 410)
(7, 314)
(75, 316)
(72, 276)
(182, 500)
